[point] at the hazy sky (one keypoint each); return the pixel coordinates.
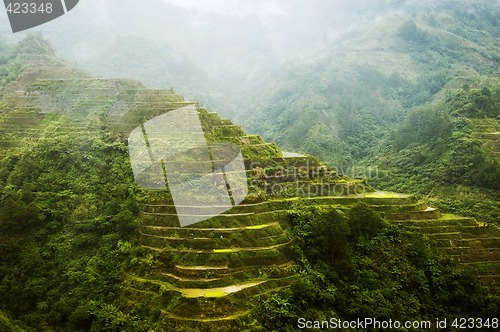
(228, 40)
(223, 43)
(261, 8)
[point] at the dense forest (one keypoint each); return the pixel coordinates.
(453, 144)
(349, 98)
(413, 95)
(355, 264)
(70, 237)
(340, 97)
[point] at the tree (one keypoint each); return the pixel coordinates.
(364, 222)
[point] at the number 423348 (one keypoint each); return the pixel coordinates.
(475, 323)
(29, 8)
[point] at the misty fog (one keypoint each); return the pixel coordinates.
(210, 51)
(218, 52)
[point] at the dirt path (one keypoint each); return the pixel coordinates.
(207, 320)
(214, 229)
(215, 292)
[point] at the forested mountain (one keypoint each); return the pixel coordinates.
(340, 105)
(414, 96)
(449, 150)
(400, 96)
(83, 248)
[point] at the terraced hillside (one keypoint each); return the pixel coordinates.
(471, 243)
(487, 133)
(203, 272)
(204, 275)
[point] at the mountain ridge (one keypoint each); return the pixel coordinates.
(83, 248)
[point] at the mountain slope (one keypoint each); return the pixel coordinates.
(83, 248)
(339, 106)
(449, 150)
(390, 100)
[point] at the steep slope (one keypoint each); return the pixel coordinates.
(449, 150)
(469, 242)
(57, 120)
(83, 248)
(338, 106)
(403, 96)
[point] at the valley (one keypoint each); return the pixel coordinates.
(210, 275)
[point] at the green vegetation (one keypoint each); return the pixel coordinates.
(7, 325)
(415, 96)
(83, 249)
(353, 264)
(340, 105)
(215, 294)
(449, 149)
(9, 67)
(67, 220)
